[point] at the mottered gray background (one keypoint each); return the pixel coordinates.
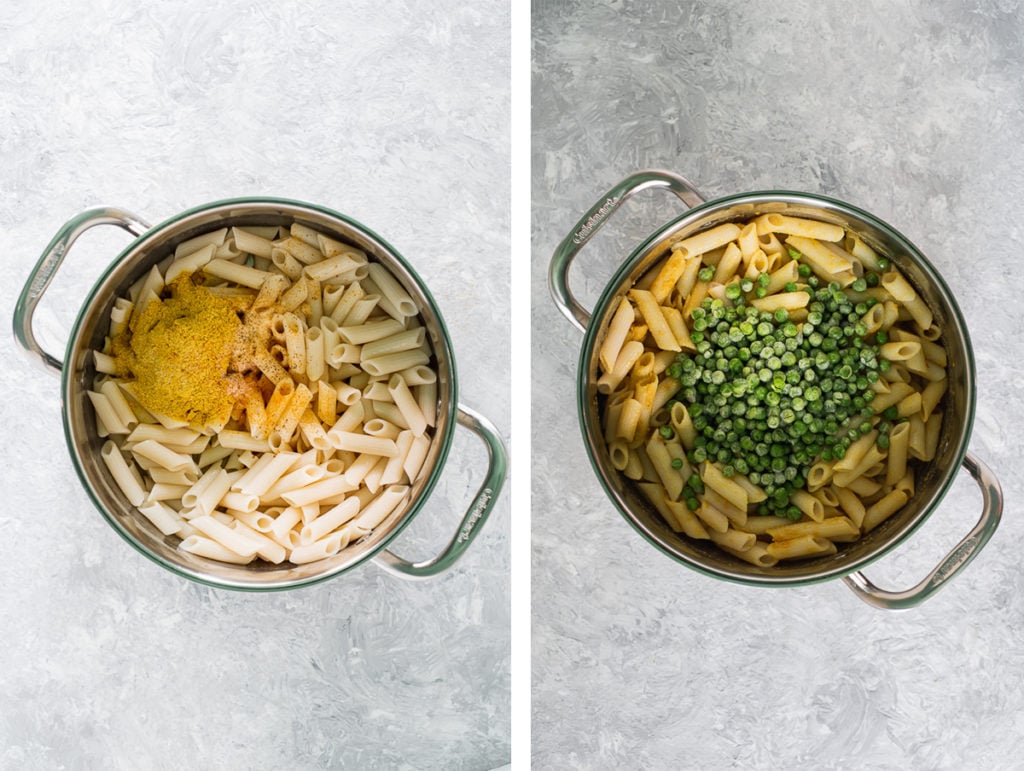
(396, 114)
(912, 111)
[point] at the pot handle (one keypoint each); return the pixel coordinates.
(558, 270)
(952, 563)
(44, 271)
(475, 516)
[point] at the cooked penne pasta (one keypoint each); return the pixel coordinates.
(652, 314)
(802, 547)
(707, 240)
(799, 226)
(770, 385)
(882, 509)
(735, 540)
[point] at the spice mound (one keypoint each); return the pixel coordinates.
(177, 350)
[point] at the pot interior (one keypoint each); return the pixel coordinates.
(932, 479)
(152, 248)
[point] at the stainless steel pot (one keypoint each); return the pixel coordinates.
(151, 245)
(933, 479)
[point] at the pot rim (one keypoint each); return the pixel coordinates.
(618, 281)
(153, 235)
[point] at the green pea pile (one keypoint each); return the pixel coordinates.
(768, 397)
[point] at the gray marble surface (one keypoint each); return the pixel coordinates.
(913, 111)
(397, 115)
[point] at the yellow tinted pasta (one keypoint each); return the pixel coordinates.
(772, 383)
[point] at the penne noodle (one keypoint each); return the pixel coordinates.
(360, 443)
(314, 348)
(831, 528)
(119, 469)
(119, 403)
(381, 507)
(824, 262)
(416, 458)
(207, 547)
(712, 518)
(655, 319)
(712, 476)
(756, 555)
(160, 454)
(728, 264)
(661, 460)
(232, 540)
(330, 268)
(734, 540)
(267, 549)
(799, 226)
(629, 354)
(882, 509)
(239, 274)
(394, 362)
(163, 517)
(782, 300)
(801, 547)
(108, 421)
(400, 341)
(707, 240)
(331, 520)
(407, 404)
(251, 242)
(392, 290)
(215, 237)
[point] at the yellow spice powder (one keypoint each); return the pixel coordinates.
(177, 351)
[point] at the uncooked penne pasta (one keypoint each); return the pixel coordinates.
(239, 274)
(225, 536)
(330, 268)
(392, 290)
(109, 421)
(211, 549)
(297, 463)
(160, 454)
(122, 473)
(394, 362)
(163, 517)
(190, 263)
(347, 440)
(119, 403)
